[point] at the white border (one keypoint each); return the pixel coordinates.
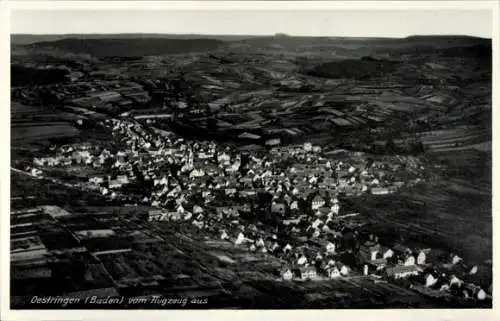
(440, 314)
(251, 5)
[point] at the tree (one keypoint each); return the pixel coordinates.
(417, 148)
(390, 147)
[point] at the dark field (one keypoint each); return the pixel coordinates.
(458, 221)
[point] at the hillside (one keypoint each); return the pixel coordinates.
(357, 69)
(26, 39)
(128, 47)
(428, 41)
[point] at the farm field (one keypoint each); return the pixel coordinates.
(31, 134)
(34, 128)
(458, 220)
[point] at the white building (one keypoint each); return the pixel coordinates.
(330, 248)
(410, 260)
(430, 280)
(317, 202)
(240, 239)
(421, 258)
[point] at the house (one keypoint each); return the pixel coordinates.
(273, 142)
(306, 273)
(241, 239)
(323, 211)
(365, 269)
(187, 215)
(114, 183)
(247, 193)
(204, 155)
(105, 191)
(455, 259)
(454, 281)
(474, 291)
(36, 172)
(197, 209)
(409, 260)
(327, 182)
(157, 215)
(246, 208)
(316, 233)
(89, 234)
(378, 264)
(480, 294)
(246, 181)
(39, 161)
(430, 280)
(287, 248)
(196, 173)
(230, 191)
(223, 158)
(122, 179)
(317, 202)
(369, 250)
(174, 216)
(234, 167)
(344, 269)
(275, 247)
(403, 271)
(198, 224)
(421, 258)
(66, 161)
(335, 208)
(286, 274)
(302, 260)
(380, 191)
(278, 207)
(333, 272)
(386, 252)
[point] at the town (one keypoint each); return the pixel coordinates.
(285, 203)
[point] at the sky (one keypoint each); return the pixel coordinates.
(338, 22)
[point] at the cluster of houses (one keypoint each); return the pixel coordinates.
(205, 166)
(435, 277)
(69, 155)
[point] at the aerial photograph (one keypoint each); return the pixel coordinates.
(263, 159)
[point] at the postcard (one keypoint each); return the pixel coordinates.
(264, 159)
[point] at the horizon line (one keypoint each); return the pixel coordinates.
(277, 34)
